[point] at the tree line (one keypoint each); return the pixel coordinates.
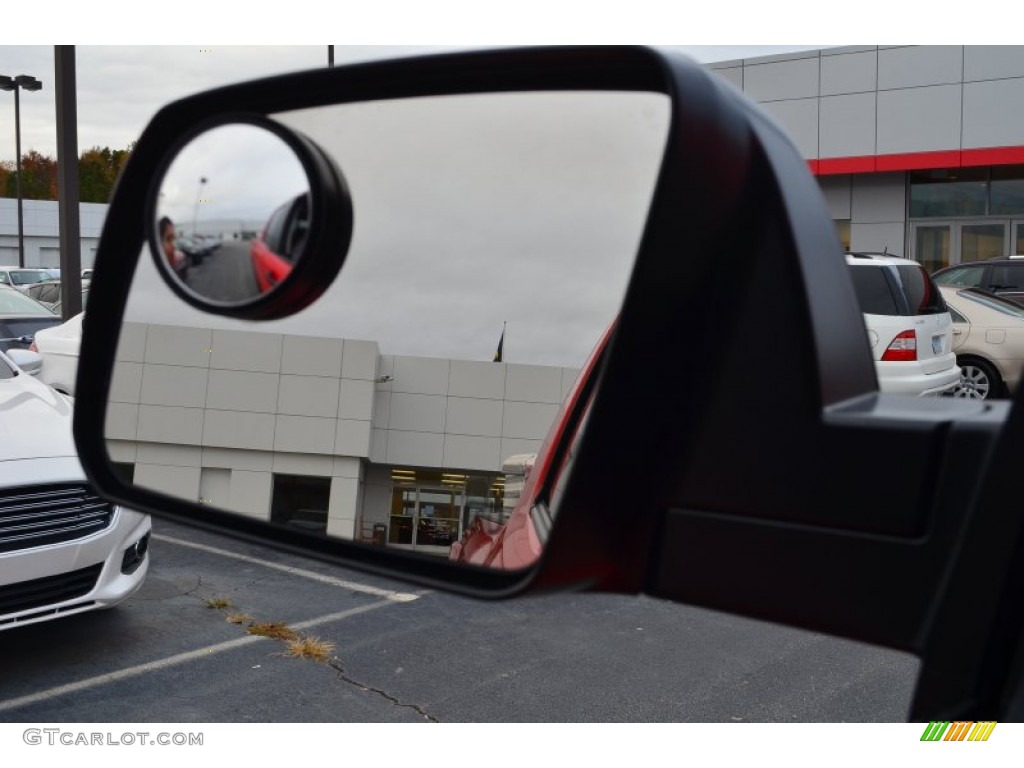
(98, 169)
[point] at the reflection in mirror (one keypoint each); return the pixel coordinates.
(232, 213)
(493, 238)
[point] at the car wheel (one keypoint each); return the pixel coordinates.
(979, 380)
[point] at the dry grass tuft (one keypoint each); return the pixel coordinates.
(277, 630)
(308, 647)
(218, 603)
(238, 618)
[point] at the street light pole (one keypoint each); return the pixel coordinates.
(16, 84)
(195, 210)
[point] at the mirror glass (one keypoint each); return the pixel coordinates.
(232, 213)
(494, 235)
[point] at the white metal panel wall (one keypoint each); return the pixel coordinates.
(994, 113)
(866, 101)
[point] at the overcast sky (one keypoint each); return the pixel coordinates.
(536, 226)
(121, 87)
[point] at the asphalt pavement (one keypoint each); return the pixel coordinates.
(403, 654)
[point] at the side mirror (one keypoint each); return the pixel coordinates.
(29, 362)
(327, 381)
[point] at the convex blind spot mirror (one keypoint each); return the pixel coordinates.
(492, 240)
(238, 212)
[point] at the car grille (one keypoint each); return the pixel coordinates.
(26, 595)
(40, 515)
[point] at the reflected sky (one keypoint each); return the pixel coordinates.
(237, 172)
(473, 211)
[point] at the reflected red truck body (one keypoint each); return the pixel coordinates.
(269, 268)
(514, 544)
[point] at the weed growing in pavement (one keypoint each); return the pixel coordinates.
(308, 647)
(277, 630)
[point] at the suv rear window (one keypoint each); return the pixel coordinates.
(886, 289)
(922, 296)
(873, 291)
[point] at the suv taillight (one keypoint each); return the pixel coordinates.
(903, 348)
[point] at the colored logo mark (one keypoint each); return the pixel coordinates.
(958, 730)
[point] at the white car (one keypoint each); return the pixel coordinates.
(20, 278)
(63, 549)
(908, 324)
(58, 346)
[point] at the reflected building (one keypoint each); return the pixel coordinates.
(327, 434)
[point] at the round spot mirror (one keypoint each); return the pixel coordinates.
(235, 212)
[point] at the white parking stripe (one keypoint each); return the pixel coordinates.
(387, 594)
(181, 658)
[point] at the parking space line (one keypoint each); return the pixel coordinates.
(387, 594)
(171, 661)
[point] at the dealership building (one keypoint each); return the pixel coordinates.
(324, 433)
(919, 151)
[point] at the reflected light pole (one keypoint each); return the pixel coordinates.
(16, 84)
(195, 211)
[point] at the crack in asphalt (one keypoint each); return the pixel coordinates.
(335, 664)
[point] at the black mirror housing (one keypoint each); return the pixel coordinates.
(736, 219)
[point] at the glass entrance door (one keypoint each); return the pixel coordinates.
(426, 519)
(932, 245)
(938, 244)
(983, 240)
(1017, 241)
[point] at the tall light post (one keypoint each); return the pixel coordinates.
(195, 211)
(16, 84)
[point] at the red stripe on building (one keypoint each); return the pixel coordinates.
(910, 161)
(832, 165)
(993, 156)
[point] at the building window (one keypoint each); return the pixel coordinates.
(301, 501)
(843, 230)
(951, 192)
(1008, 190)
(125, 471)
(430, 510)
(995, 191)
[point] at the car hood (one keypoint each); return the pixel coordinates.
(35, 421)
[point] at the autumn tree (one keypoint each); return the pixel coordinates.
(38, 177)
(98, 170)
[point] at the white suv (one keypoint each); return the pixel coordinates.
(909, 326)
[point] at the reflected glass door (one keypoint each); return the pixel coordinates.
(438, 518)
(982, 241)
(403, 516)
(932, 245)
(1018, 238)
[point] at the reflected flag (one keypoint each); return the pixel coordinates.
(498, 356)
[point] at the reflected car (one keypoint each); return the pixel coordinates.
(1003, 277)
(281, 240)
(908, 325)
(515, 543)
(48, 294)
(20, 319)
(63, 549)
(988, 339)
(20, 278)
(58, 346)
(194, 248)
